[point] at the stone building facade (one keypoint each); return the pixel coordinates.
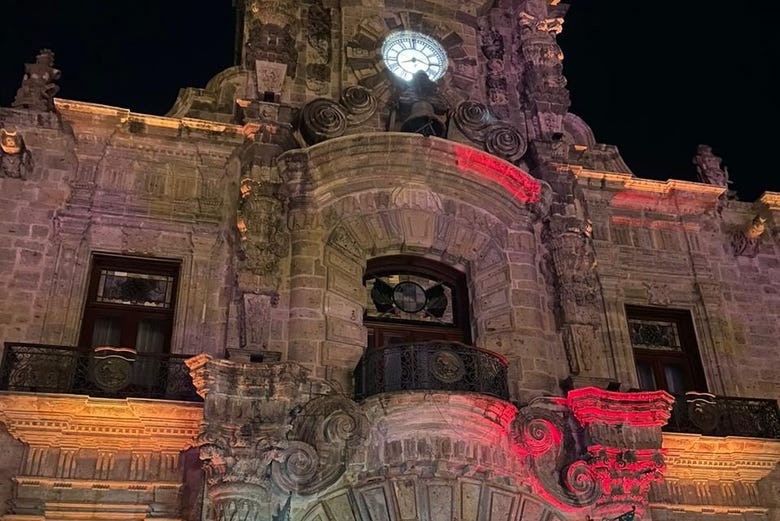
(318, 291)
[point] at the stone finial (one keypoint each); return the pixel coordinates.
(15, 159)
(38, 88)
(708, 167)
(745, 243)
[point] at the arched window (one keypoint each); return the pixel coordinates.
(413, 299)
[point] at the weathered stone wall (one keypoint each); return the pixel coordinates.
(676, 245)
(106, 181)
(28, 204)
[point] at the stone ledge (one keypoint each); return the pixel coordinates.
(53, 420)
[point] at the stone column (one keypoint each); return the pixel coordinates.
(580, 306)
(623, 437)
(544, 86)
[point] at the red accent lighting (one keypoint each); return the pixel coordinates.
(521, 185)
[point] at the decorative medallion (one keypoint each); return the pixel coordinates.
(447, 367)
(112, 367)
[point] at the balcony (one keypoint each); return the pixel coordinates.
(702, 413)
(431, 366)
(106, 372)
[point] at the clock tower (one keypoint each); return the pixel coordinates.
(494, 73)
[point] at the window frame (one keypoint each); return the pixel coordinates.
(413, 331)
(689, 358)
(130, 316)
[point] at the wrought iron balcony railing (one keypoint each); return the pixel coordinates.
(106, 372)
(431, 366)
(703, 413)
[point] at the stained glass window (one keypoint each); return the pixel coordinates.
(137, 289)
(660, 335)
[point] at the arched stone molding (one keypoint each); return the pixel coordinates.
(415, 195)
(407, 498)
(350, 164)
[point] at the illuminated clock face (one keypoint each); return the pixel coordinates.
(408, 52)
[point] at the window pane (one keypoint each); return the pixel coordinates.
(106, 332)
(676, 382)
(136, 289)
(646, 377)
(654, 334)
(409, 297)
(151, 336)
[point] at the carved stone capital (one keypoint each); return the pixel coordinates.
(270, 429)
(624, 476)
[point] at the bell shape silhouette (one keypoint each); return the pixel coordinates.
(423, 120)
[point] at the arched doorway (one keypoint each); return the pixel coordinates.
(414, 299)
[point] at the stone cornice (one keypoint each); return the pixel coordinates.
(771, 200)
(103, 116)
(636, 193)
(697, 457)
(641, 409)
(71, 421)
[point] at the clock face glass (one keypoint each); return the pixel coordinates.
(407, 52)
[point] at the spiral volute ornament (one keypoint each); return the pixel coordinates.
(539, 436)
(322, 119)
(505, 141)
(341, 426)
(359, 103)
(582, 483)
(297, 467)
(472, 118)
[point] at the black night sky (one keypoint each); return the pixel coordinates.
(653, 78)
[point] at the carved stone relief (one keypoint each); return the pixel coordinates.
(543, 84)
(272, 43)
(270, 430)
(492, 46)
(318, 51)
(746, 242)
(262, 225)
(497, 137)
(256, 317)
(578, 293)
(15, 158)
(38, 88)
(324, 119)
